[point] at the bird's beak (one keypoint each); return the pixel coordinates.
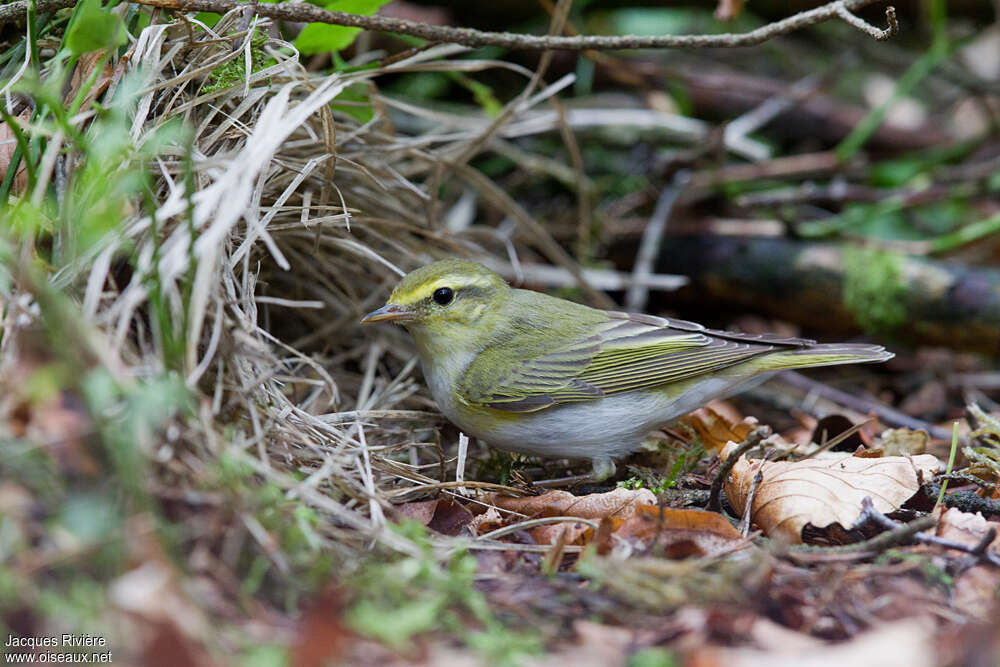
(390, 312)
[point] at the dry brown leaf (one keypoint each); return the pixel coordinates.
(619, 503)
(486, 522)
(575, 533)
(84, 69)
(902, 441)
(442, 515)
(594, 645)
(977, 588)
(682, 532)
(322, 636)
(716, 429)
(905, 643)
(421, 511)
(823, 492)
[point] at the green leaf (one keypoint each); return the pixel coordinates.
(208, 18)
(321, 37)
(895, 173)
(355, 101)
(94, 28)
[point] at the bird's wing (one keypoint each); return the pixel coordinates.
(628, 352)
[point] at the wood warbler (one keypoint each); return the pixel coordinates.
(543, 376)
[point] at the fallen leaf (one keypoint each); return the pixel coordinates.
(619, 503)
(322, 634)
(715, 429)
(487, 521)
(976, 589)
(442, 515)
(602, 538)
(902, 441)
(84, 70)
(823, 492)
(682, 532)
(906, 643)
(594, 645)
(421, 511)
(569, 533)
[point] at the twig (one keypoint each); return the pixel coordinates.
(404, 493)
(863, 405)
(546, 244)
(307, 13)
(745, 520)
(980, 550)
(772, 107)
(532, 523)
(791, 166)
(866, 27)
(890, 538)
(652, 237)
(751, 441)
(844, 435)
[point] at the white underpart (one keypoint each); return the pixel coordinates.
(612, 426)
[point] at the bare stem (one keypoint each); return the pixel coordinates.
(307, 13)
(752, 440)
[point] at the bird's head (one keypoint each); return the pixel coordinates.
(455, 298)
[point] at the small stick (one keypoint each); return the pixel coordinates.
(463, 451)
(744, 525)
(652, 237)
(890, 538)
(862, 405)
(868, 512)
(751, 441)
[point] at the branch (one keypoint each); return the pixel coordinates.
(307, 13)
(864, 26)
(980, 550)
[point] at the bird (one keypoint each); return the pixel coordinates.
(535, 374)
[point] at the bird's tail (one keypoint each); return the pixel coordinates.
(822, 355)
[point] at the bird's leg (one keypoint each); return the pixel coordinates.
(603, 469)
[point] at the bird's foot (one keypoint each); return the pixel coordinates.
(603, 469)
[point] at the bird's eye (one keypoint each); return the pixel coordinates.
(443, 296)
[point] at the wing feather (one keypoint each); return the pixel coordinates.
(628, 352)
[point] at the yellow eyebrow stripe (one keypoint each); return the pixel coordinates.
(425, 290)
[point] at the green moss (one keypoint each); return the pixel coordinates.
(874, 290)
(398, 598)
(668, 457)
(653, 656)
(500, 466)
(234, 71)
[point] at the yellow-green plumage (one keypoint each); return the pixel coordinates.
(528, 372)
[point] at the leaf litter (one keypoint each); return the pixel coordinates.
(307, 442)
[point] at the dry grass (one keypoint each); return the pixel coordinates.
(281, 214)
(274, 221)
(300, 219)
